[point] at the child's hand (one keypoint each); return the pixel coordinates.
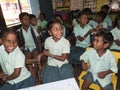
(2, 75)
(47, 53)
(85, 66)
(91, 31)
(39, 57)
(102, 74)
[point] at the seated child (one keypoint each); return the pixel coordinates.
(101, 62)
(57, 49)
(12, 60)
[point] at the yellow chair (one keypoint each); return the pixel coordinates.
(94, 86)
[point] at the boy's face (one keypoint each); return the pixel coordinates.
(10, 42)
(98, 43)
(33, 21)
(56, 31)
(98, 19)
(41, 17)
(25, 21)
(83, 19)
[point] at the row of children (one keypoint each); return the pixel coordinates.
(57, 48)
(25, 44)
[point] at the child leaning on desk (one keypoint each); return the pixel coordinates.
(12, 60)
(57, 49)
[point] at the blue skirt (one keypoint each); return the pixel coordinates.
(54, 73)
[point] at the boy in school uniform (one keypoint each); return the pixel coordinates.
(31, 42)
(12, 60)
(101, 62)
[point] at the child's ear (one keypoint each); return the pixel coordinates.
(106, 45)
(49, 32)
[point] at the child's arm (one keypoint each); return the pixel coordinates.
(81, 38)
(61, 58)
(2, 75)
(14, 75)
(84, 65)
(104, 73)
(117, 41)
(39, 43)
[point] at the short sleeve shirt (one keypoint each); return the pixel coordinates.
(99, 64)
(9, 62)
(57, 48)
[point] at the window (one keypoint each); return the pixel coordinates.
(12, 8)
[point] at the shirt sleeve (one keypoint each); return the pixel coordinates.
(113, 65)
(46, 44)
(66, 48)
(85, 56)
(19, 60)
(76, 31)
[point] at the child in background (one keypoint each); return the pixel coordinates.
(59, 17)
(91, 22)
(105, 9)
(41, 21)
(31, 40)
(33, 22)
(100, 16)
(82, 33)
(116, 34)
(57, 49)
(101, 62)
(12, 60)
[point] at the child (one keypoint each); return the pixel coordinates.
(42, 22)
(116, 34)
(89, 13)
(101, 62)
(12, 61)
(57, 49)
(59, 17)
(105, 9)
(31, 42)
(100, 16)
(82, 33)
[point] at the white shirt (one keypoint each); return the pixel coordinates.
(98, 64)
(108, 21)
(29, 41)
(57, 48)
(116, 34)
(9, 62)
(78, 31)
(42, 24)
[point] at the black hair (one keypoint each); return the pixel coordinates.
(58, 15)
(101, 14)
(51, 22)
(87, 11)
(22, 14)
(42, 14)
(81, 13)
(106, 35)
(32, 16)
(117, 18)
(106, 7)
(8, 31)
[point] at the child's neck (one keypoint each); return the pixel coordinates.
(101, 52)
(25, 27)
(81, 25)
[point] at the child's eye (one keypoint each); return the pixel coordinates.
(11, 41)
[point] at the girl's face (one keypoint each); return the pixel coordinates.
(25, 20)
(83, 19)
(33, 21)
(56, 31)
(10, 42)
(98, 43)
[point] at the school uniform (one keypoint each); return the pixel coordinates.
(74, 22)
(30, 41)
(55, 69)
(116, 34)
(99, 64)
(108, 21)
(42, 24)
(92, 23)
(9, 62)
(80, 47)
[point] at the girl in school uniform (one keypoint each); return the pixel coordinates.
(57, 49)
(12, 60)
